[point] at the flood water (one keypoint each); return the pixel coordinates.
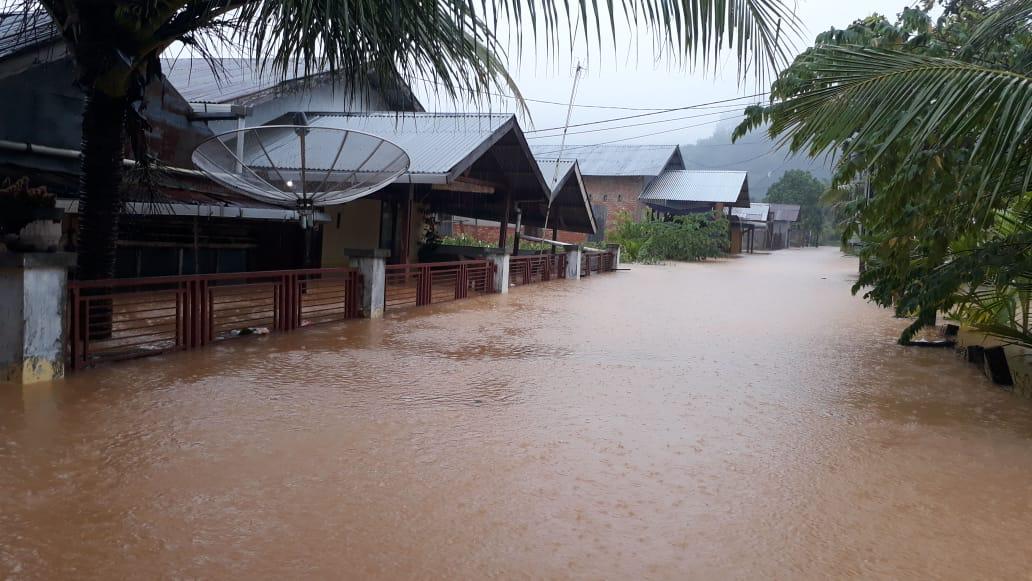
(745, 418)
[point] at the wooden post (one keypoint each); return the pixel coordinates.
(406, 226)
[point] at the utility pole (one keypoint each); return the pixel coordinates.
(562, 143)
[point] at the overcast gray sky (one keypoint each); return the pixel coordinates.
(633, 78)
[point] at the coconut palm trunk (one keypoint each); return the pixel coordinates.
(103, 131)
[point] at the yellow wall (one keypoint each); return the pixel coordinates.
(359, 228)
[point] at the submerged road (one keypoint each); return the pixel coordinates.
(745, 418)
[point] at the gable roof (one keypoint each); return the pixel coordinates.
(784, 212)
(440, 146)
(616, 159)
(571, 208)
(727, 187)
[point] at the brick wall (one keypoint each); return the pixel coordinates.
(618, 194)
(489, 233)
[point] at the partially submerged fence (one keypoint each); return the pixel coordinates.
(536, 268)
(134, 317)
(597, 261)
(436, 282)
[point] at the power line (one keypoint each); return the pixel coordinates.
(633, 124)
(682, 128)
(649, 114)
(559, 103)
(648, 110)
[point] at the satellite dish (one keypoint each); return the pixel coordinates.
(301, 167)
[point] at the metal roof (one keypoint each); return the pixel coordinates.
(439, 145)
(553, 178)
(24, 30)
(571, 208)
(727, 187)
(614, 159)
(784, 212)
(754, 213)
(230, 79)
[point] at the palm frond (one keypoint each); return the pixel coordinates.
(865, 99)
(446, 40)
(1004, 20)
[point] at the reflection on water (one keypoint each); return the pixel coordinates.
(744, 418)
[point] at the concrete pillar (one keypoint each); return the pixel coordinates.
(573, 262)
(615, 249)
(33, 298)
(372, 264)
(501, 274)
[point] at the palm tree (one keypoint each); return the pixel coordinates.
(116, 45)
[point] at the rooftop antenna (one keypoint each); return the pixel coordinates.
(569, 114)
(562, 143)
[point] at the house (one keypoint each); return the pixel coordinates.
(754, 224)
(181, 222)
(781, 218)
(678, 192)
(469, 164)
(570, 219)
(615, 175)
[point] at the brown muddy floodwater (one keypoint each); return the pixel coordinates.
(736, 419)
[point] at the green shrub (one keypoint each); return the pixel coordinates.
(688, 238)
(463, 240)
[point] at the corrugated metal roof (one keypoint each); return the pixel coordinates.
(754, 213)
(231, 78)
(436, 143)
(728, 187)
(23, 30)
(555, 178)
(614, 159)
(784, 212)
(571, 205)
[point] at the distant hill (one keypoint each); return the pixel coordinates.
(754, 153)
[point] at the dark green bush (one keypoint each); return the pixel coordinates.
(690, 237)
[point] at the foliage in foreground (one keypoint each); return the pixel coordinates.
(931, 123)
(689, 238)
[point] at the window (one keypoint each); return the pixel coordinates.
(619, 198)
(605, 198)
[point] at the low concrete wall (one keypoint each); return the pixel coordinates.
(1019, 359)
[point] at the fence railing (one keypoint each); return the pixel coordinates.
(134, 317)
(597, 261)
(436, 282)
(536, 268)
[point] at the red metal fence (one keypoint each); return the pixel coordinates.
(436, 282)
(536, 268)
(133, 317)
(597, 261)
